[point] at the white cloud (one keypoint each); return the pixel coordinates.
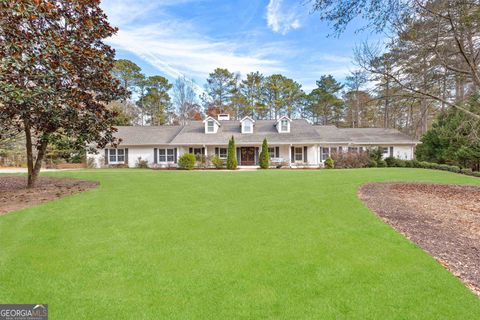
(281, 19)
(176, 49)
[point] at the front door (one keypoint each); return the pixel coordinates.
(247, 156)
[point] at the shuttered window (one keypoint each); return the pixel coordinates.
(166, 155)
(298, 154)
(222, 153)
(116, 156)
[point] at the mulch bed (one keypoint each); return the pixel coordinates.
(14, 194)
(443, 220)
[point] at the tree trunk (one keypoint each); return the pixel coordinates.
(28, 145)
(33, 167)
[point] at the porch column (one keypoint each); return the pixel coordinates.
(206, 152)
(290, 154)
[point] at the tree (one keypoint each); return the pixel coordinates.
(252, 91)
(264, 155)
(354, 82)
(126, 114)
(55, 74)
(129, 74)
(185, 100)
(220, 86)
(283, 96)
(156, 102)
(231, 155)
(453, 139)
(444, 31)
(323, 104)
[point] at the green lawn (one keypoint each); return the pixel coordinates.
(225, 245)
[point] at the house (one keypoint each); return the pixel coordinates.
(293, 143)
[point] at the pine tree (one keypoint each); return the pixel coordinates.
(231, 156)
(264, 155)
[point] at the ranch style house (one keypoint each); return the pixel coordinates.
(292, 143)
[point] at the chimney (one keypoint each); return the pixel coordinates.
(223, 116)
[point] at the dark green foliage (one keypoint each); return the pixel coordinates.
(381, 164)
(390, 161)
(264, 155)
(329, 163)
(231, 155)
(376, 154)
(453, 139)
(217, 162)
(186, 161)
(372, 163)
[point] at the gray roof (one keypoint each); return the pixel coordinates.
(331, 134)
(146, 135)
(301, 131)
(194, 133)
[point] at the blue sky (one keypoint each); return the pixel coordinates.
(193, 37)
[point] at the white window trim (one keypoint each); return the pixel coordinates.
(249, 125)
(116, 156)
(272, 155)
(211, 126)
(284, 125)
(220, 154)
(166, 155)
(295, 154)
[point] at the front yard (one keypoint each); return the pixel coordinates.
(224, 245)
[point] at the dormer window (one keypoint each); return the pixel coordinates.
(210, 126)
(247, 125)
(283, 124)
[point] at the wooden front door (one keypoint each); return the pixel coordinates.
(247, 156)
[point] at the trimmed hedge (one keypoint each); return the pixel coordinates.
(393, 162)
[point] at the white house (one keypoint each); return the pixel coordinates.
(293, 143)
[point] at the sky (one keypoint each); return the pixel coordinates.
(191, 38)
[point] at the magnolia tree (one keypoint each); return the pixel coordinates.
(55, 74)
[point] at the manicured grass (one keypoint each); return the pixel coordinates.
(225, 245)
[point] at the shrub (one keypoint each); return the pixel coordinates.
(142, 164)
(264, 155)
(217, 162)
(455, 169)
(231, 155)
(400, 163)
(476, 174)
(376, 154)
(351, 160)
(91, 164)
(466, 171)
(202, 161)
(391, 162)
(372, 164)
(329, 163)
(381, 163)
(186, 161)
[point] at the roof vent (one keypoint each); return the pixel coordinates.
(223, 116)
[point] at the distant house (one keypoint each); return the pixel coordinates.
(294, 143)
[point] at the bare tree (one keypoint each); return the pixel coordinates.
(184, 99)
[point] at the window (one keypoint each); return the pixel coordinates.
(298, 154)
(385, 150)
(247, 127)
(353, 149)
(197, 151)
(210, 126)
(325, 153)
(284, 125)
(166, 155)
(222, 153)
(116, 156)
(271, 152)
